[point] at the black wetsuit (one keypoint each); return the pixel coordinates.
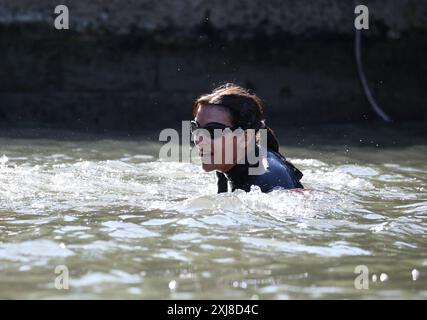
(279, 174)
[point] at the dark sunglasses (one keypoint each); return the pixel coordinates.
(210, 127)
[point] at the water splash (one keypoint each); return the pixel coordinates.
(111, 214)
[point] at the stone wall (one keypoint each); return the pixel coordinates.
(129, 65)
(237, 18)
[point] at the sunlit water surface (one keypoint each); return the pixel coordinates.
(127, 225)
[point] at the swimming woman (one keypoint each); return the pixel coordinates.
(230, 108)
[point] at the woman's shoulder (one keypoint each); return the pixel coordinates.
(279, 173)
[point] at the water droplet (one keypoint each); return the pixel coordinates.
(415, 274)
(374, 278)
(235, 284)
(383, 277)
(172, 285)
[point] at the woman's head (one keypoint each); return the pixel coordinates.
(244, 108)
(232, 106)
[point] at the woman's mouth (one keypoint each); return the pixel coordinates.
(205, 154)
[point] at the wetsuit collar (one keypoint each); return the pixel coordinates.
(241, 171)
(238, 172)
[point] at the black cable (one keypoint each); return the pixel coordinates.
(375, 106)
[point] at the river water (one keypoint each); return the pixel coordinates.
(128, 225)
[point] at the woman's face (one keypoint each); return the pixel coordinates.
(207, 146)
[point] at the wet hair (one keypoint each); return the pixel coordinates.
(246, 109)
